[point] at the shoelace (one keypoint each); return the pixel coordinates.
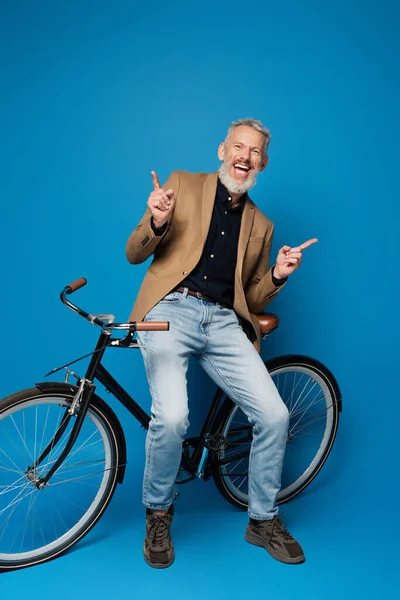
(277, 524)
(159, 527)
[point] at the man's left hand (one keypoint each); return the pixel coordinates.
(289, 259)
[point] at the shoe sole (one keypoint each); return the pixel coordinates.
(255, 539)
(158, 565)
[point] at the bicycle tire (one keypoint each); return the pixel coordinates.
(279, 366)
(19, 550)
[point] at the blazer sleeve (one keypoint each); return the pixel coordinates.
(143, 241)
(260, 289)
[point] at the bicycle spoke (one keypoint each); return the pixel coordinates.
(51, 483)
(71, 454)
(52, 518)
(15, 501)
(15, 504)
(294, 388)
(305, 411)
(48, 464)
(318, 417)
(323, 411)
(312, 403)
(58, 512)
(235, 467)
(282, 393)
(240, 484)
(5, 524)
(4, 467)
(84, 463)
(77, 505)
(78, 480)
(26, 518)
(11, 488)
(300, 399)
(292, 394)
(21, 438)
(300, 404)
(18, 499)
(38, 522)
(10, 459)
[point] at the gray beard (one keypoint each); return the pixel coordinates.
(233, 186)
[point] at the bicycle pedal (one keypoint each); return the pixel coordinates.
(215, 441)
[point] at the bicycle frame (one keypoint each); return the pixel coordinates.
(197, 443)
(198, 465)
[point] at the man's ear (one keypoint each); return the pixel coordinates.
(221, 151)
(264, 164)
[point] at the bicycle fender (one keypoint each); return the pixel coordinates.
(58, 387)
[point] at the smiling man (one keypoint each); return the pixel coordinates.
(210, 274)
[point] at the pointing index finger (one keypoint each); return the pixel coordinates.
(308, 243)
(156, 181)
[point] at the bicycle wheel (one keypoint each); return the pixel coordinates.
(37, 525)
(313, 399)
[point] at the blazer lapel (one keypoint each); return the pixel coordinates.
(209, 191)
(244, 235)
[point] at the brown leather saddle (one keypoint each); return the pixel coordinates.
(268, 322)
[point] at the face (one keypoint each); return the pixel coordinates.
(243, 156)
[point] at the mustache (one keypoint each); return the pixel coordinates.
(232, 185)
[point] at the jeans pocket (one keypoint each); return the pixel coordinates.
(172, 297)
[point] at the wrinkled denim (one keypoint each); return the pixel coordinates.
(212, 334)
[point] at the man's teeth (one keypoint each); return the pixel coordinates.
(238, 166)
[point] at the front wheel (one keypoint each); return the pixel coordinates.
(313, 399)
(37, 525)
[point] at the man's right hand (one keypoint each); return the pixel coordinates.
(161, 202)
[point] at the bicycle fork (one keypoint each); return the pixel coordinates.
(78, 409)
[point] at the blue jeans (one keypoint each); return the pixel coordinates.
(212, 334)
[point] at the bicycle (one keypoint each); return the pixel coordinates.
(63, 448)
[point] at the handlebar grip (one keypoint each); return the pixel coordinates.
(152, 326)
(75, 285)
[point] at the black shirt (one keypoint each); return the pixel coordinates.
(214, 274)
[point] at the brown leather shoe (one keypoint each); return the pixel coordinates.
(158, 548)
(275, 538)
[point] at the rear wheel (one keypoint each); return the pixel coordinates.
(37, 525)
(313, 399)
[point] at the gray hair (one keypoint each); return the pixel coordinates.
(257, 125)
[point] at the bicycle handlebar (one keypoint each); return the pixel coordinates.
(152, 325)
(102, 322)
(75, 285)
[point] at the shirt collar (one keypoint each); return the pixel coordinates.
(224, 196)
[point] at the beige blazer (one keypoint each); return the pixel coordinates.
(179, 249)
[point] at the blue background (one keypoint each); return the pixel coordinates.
(93, 96)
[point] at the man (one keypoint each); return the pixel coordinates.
(210, 274)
